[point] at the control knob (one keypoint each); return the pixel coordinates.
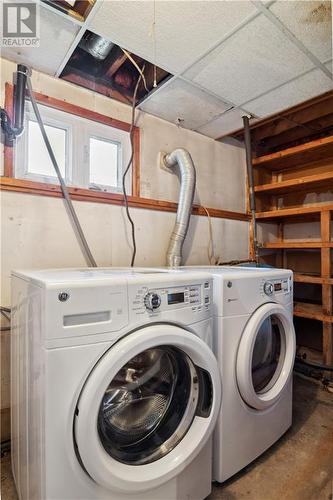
(152, 301)
(268, 288)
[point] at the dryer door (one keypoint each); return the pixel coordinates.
(266, 356)
(147, 408)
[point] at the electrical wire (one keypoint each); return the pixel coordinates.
(128, 55)
(211, 256)
(68, 202)
(153, 32)
(131, 132)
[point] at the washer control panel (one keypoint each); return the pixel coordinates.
(156, 300)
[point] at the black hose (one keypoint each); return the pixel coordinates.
(131, 132)
(19, 98)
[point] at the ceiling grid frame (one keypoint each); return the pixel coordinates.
(180, 74)
(243, 106)
(286, 31)
(84, 27)
(262, 9)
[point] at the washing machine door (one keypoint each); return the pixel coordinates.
(266, 356)
(147, 408)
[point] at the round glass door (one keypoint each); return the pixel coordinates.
(268, 353)
(148, 406)
(265, 356)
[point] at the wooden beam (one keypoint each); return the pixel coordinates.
(282, 121)
(321, 180)
(113, 62)
(298, 244)
(315, 280)
(79, 194)
(297, 155)
(311, 311)
(298, 211)
(326, 272)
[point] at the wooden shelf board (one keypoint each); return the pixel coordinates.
(315, 280)
(324, 180)
(297, 244)
(311, 311)
(297, 155)
(291, 212)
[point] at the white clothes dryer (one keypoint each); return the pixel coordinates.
(254, 342)
(115, 388)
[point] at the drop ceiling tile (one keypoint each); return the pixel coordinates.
(56, 36)
(227, 122)
(251, 62)
(310, 22)
(184, 29)
(305, 87)
(180, 102)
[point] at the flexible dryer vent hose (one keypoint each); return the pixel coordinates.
(181, 158)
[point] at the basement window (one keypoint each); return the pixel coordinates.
(104, 162)
(90, 155)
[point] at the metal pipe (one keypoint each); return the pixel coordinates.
(98, 46)
(14, 128)
(19, 98)
(247, 139)
(68, 202)
(183, 159)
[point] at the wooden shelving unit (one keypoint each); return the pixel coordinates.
(295, 185)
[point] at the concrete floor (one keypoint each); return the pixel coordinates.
(298, 467)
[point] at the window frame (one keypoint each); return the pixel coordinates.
(78, 112)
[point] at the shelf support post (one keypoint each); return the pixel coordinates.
(249, 166)
(326, 272)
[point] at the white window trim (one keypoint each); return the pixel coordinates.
(79, 131)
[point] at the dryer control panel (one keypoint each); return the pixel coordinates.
(276, 287)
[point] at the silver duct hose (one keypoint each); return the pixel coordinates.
(183, 159)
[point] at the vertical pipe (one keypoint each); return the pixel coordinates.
(247, 139)
(19, 98)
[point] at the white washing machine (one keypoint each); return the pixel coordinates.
(255, 347)
(115, 388)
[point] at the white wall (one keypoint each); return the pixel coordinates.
(36, 232)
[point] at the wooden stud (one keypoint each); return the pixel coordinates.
(326, 272)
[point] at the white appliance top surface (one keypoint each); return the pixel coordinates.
(50, 276)
(240, 272)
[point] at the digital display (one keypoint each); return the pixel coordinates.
(176, 298)
(277, 287)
